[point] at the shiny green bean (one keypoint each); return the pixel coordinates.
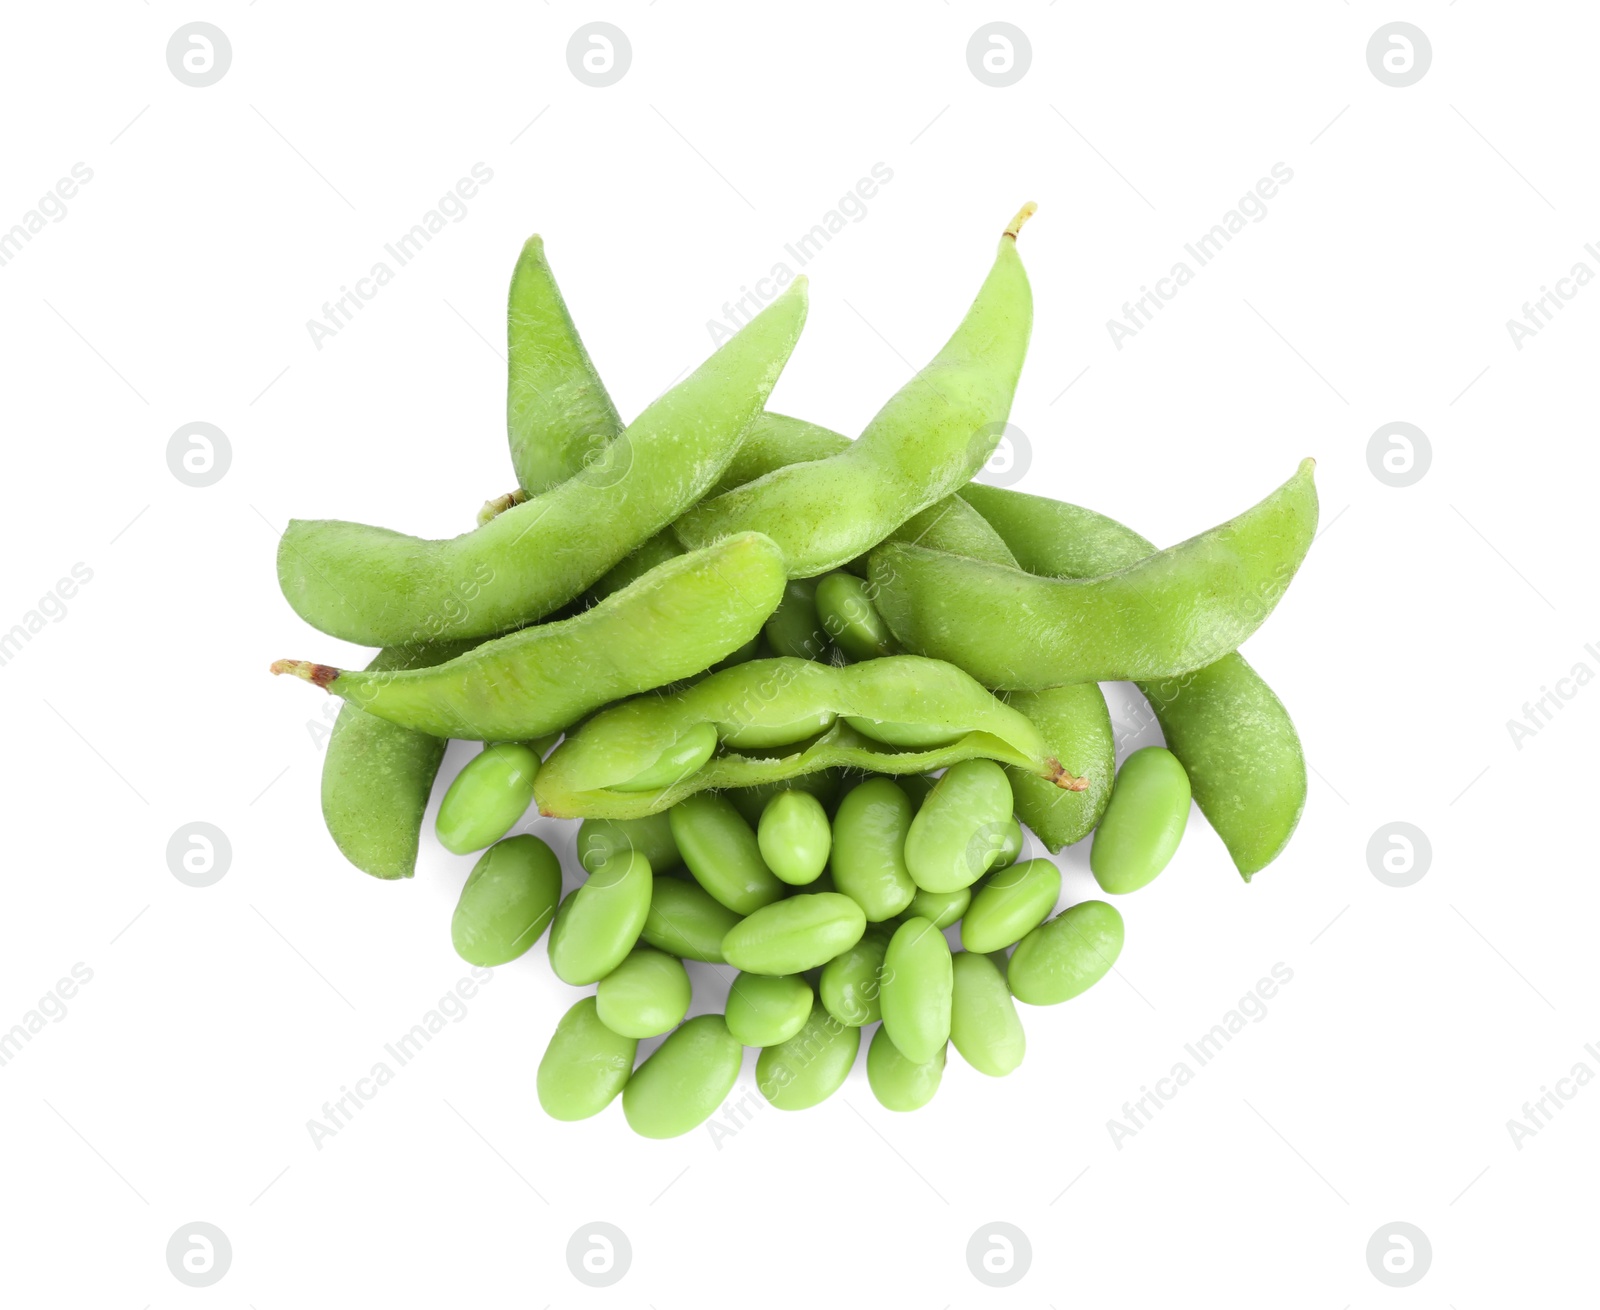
(685, 1079)
(791, 936)
(685, 921)
(487, 798)
(810, 1066)
(961, 828)
(794, 836)
(681, 758)
(646, 995)
(851, 985)
(869, 838)
(1066, 956)
(916, 990)
(941, 909)
(601, 839)
(844, 608)
(752, 801)
(898, 1083)
(723, 853)
(598, 924)
(766, 1009)
(1144, 822)
(1009, 905)
(585, 1065)
(984, 1027)
(794, 628)
(1012, 842)
(507, 902)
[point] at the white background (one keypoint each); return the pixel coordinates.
(218, 1021)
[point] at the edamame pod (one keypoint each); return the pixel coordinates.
(585, 1065)
(898, 1083)
(941, 909)
(1077, 726)
(1144, 822)
(558, 414)
(651, 837)
(961, 827)
(810, 1066)
(1009, 905)
(683, 1082)
(844, 608)
(507, 901)
(793, 835)
(646, 995)
(675, 621)
(376, 775)
(722, 853)
(917, 984)
(1230, 732)
(791, 936)
(929, 439)
(984, 1026)
(685, 921)
(1068, 955)
(378, 587)
(851, 985)
(766, 1009)
(598, 924)
(487, 797)
(1175, 611)
(869, 839)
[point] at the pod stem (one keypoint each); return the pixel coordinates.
(1022, 216)
(500, 504)
(318, 675)
(1064, 780)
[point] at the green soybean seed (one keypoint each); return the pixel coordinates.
(507, 901)
(907, 736)
(898, 1083)
(851, 985)
(601, 839)
(722, 852)
(869, 837)
(765, 1009)
(794, 628)
(585, 1065)
(685, 921)
(918, 786)
(1067, 955)
(683, 758)
(760, 736)
(1011, 844)
(684, 1081)
(794, 836)
(598, 924)
(941, 909)
(751, 801)
(917, 985)
(845, 611)
(1010, 904)
(984, 1026)
(487, 797)
(803, 932)
(1144, 822)
(960, 828)
(810, 1066)
(646, 995)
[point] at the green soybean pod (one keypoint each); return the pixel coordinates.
(851, 985)
(585, 1065)
(1144, 822)
(916, 989)
(685, 921)
(646, 995)
(810, 1066)
(844, 608)
(984, 1026)
(869, 839)
(941, 909)
(601, 839)
(507, 901)
(1067, 955)
(682, 759)
(794, 628)
(960, 827)
(487, 797)
(1076, 723)
(791, 936)
(683, 1082)
(598, 924)
(1009, 905)
(898, 1083)
(794, 836)
(765, 1009)
(722, 853)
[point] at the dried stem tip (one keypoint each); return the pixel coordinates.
(1023, 215)
(319, 675)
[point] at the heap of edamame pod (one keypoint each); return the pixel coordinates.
(818, 703)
